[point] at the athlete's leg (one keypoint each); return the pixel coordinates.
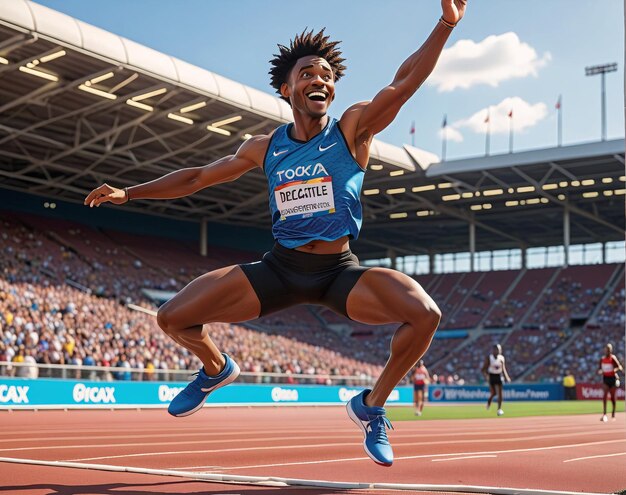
(604, 397)
(499, 391)
(492, 394)
(383, 296)
(224, 295)
(420, 398)
(416, 400)
(613, 401)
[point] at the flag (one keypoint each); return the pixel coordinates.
(412, 131)
(511, 114)
(487, 118)
(444, 124)
(558, 103)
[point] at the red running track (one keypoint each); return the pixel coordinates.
(565, 453)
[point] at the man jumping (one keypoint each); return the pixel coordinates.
(315, 168)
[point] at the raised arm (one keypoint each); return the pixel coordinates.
(187, 181)
(369, 118)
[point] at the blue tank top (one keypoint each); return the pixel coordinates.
(314, 187)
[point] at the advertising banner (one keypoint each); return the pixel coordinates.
(22, 393)
(513, 392)
(595, 391)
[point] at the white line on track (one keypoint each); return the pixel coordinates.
(463, 458)
(293, 434)
(276, 481)
(281, 447)
(594, 457)
(344, 433)
(426, 456)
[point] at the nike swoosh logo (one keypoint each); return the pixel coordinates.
(327, 147)
(276, 153)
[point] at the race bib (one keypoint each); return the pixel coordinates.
(607, 367)
(305, 198)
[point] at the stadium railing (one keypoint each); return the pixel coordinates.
(114, 373)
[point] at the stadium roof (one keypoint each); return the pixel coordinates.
(80, 106)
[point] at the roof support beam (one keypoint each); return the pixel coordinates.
(571, 207)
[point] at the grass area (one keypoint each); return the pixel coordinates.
(511, 410)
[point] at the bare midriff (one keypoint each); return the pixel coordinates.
(326, 247)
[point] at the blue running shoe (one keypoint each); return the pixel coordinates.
(193, 396)
(374, 423)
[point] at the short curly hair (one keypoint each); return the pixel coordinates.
(302, 45)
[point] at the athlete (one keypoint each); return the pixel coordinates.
(608, 368)
(421, 379)
(494, 367)
(315, 168)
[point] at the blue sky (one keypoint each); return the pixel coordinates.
(522, 55)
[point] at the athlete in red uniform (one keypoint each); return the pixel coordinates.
(421, 379)
(609, 366)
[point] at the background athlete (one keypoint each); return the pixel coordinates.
(608, 368)
(315, 211)
(494, 367)
(421, 379)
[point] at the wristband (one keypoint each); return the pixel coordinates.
(447, 24)
(127, 194)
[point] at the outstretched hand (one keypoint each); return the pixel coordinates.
(106, 193)
(453, 10)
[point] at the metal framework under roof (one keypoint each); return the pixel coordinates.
(80, 106)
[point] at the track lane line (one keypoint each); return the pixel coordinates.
(427, 456)
(464, 457)
(283, 447)
(273, 481)
(594, 457)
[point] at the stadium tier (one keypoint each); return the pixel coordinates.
(65, 287)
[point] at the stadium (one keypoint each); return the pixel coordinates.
(523, 249)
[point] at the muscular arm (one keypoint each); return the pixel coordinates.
(506, 373)
(485, 366)
(616, 363)
(366, 119)
(187, 181)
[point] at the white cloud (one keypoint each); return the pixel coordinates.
(490, 61)
(451, 134)
(525, 115)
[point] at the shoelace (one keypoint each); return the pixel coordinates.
(379, 426)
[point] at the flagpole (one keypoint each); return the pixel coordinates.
(488, 135)
(444, 138)
(511, 131)
(560, 124)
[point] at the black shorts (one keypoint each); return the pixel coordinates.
(417, 387)
(285, 277)
(609, 381)
(495, 379)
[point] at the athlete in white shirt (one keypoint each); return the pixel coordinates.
(493, 368)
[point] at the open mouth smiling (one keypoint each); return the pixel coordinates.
(317, 96)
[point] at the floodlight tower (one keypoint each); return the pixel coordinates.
(602, 70)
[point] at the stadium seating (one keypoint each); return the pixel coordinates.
(64, 288)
